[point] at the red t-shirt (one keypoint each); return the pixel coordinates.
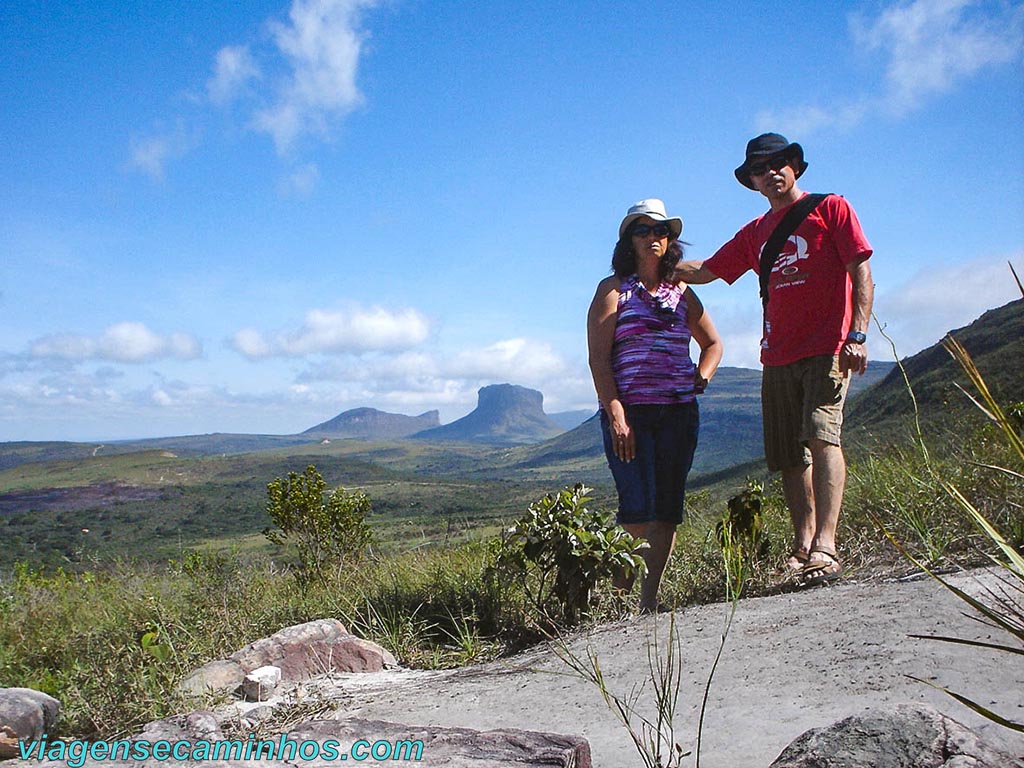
(810, 295)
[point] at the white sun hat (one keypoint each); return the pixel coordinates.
(653, 208)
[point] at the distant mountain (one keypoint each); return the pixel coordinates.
(730, 426)
(18, 453)
(996, 343)
(571, 419)
(730, 415)
(506, 414)
(371, 424)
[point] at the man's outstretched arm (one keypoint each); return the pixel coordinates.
(692, 273)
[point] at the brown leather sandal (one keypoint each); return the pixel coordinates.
(793, 565)
(802, 556)
(820, 570)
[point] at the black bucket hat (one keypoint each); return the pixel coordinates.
(766, 145)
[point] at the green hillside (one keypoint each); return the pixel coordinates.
(730, 431)
(996, 343)
(152, 505)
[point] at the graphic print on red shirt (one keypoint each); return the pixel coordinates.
(810, 294)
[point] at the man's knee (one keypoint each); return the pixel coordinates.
(819, 446)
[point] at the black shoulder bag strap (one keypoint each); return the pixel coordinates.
(800, 210)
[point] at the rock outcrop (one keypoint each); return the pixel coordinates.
(424, 745)
(300, 652)
(506, 414)
(25, 715)
(903, 736)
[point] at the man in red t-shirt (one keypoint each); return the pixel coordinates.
(819, 302)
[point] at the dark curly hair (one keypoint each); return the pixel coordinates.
(624, 257)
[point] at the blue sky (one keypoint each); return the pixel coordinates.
(248, 217)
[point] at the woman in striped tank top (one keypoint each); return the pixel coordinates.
(638, 331)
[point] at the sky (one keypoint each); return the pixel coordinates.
(249, 217)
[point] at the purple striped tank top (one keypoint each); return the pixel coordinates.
(651, 352)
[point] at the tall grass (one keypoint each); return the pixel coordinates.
(112, 643)
(1000, 606)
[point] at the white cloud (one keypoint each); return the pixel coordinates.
(316, 54)
(335, 332)
(805, 120)
(301, 182)
(416, 380)
(233, 68)
(406, 369)
(150, 154)
(921, 311)
(928, 47)
(517, 360)
(122, 343)
(931, 45)
(322, 44)
(520, 361)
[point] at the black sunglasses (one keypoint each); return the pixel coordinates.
(643, 230)
(773, 163)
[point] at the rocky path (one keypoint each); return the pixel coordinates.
(791, 662)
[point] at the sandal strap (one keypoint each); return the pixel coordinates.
(825, 551)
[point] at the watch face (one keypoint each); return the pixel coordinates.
(857, 337)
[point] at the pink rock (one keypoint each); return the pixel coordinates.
(314, 648)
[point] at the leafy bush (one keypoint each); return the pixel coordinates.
(326, 534)
(743, 529)
(559, 551)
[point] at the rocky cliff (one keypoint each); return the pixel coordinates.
(506, 414)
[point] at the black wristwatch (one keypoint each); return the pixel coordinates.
(856, 337)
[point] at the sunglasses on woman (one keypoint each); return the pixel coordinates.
(643, 230)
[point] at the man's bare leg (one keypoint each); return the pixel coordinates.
(829, 481)
(798, 487)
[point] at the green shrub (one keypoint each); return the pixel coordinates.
(326, 534)
(559, 551)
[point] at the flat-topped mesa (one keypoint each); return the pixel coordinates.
(506, 414)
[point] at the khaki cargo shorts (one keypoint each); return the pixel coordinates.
(800, 402)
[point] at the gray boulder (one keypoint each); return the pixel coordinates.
(25, 715)
(324, 742)
(902, 736)
(222, 675)
(301, 652)
(195, 726)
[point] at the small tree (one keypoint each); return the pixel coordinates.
(325, 533)
(559, 550)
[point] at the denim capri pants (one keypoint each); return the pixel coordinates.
(652, 487)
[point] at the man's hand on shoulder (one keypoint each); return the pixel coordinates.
(692, 273)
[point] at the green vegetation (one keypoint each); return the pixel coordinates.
(1000, 605)
(112, 641)
(154, 506)
(328, 534)
(559, 552)
(122, 573)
